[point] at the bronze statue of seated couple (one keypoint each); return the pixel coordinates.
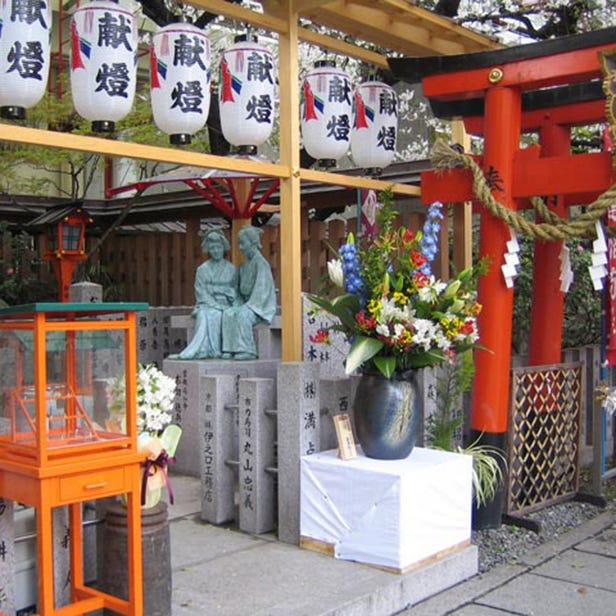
(230, 300)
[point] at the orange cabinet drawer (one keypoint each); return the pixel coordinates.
(91, 485)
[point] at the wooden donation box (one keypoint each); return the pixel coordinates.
(58, 443)
(395, 514)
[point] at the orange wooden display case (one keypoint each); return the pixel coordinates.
(57, 445)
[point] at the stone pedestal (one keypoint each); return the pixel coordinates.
(156, 552)
(191, 399)
(7, 562)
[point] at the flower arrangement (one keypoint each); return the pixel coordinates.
(155, 398)
(396, 315)
(158, 437)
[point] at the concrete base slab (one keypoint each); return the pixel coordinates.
(537, 594)
(604, 544)
(583, 568)
(219, 571)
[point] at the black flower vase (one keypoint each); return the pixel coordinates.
(387, 414)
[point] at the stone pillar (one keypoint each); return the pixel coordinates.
(216, 431)
(189, 399)
(87, 292)
(298, 435)
(7, 557)
(336, 396)
(257, 435)
(61, 556)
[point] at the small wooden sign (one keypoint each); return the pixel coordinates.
(344, 433)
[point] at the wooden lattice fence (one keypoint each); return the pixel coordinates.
(544, 436)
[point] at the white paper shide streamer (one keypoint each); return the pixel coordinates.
(512, 259)
(598, 268)
(566, 273)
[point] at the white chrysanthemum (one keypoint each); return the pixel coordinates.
(382, 330)
(432, 290)
(391, 312)
(441, 340)
(399, 330)
(425, 333)
(155, 398)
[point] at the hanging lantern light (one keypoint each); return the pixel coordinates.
(180, 80)
(103, 63)
(326, 112)
(25, 34)
(246, 94)
(375, 126)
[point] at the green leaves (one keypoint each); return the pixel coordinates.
(342, 307)
(362, 350)
(386, 365)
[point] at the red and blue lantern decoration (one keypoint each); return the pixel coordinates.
(103, 63)
(246, 94)
(25, 42)
(326, 108)
(180, 75)
(375, 126)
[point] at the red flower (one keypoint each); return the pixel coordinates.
(321, 337)
(420, 279)
(417, 259)
(467, 328)
(408, 236)
(365, 322)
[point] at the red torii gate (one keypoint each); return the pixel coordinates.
(546, 87)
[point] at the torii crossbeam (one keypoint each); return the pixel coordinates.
(546, 87)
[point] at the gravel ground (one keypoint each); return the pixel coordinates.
(507, 543)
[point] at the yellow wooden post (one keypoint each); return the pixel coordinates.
(290, 217)
(241, 187)
(462, 212)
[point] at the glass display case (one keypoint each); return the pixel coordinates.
(62, 370)
(68, 432)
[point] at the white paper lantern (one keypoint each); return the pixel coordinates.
(326, 113)
(25, 34)
(375, 125)
(103, 63)
(246, 94)
(180, 80)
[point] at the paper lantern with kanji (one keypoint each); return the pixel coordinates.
(246, 94)
(375, 125)
(180, 80)
(25, 33)
(103, 63)
(326, 113)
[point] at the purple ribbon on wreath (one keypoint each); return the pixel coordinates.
(158, 464)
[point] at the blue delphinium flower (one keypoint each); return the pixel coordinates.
(353, 281)
(429, 240)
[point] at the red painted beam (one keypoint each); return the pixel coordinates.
(530, 74)
(574, 176)
(563, 175)
(579, 114)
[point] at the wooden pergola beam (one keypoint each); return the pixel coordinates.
(399, 26)
(394, 25)
(343, 48)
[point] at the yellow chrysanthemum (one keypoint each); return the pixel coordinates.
(400, 298)
(374, 306)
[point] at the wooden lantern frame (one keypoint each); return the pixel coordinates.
(63, 256)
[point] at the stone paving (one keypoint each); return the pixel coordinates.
(219, 571)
